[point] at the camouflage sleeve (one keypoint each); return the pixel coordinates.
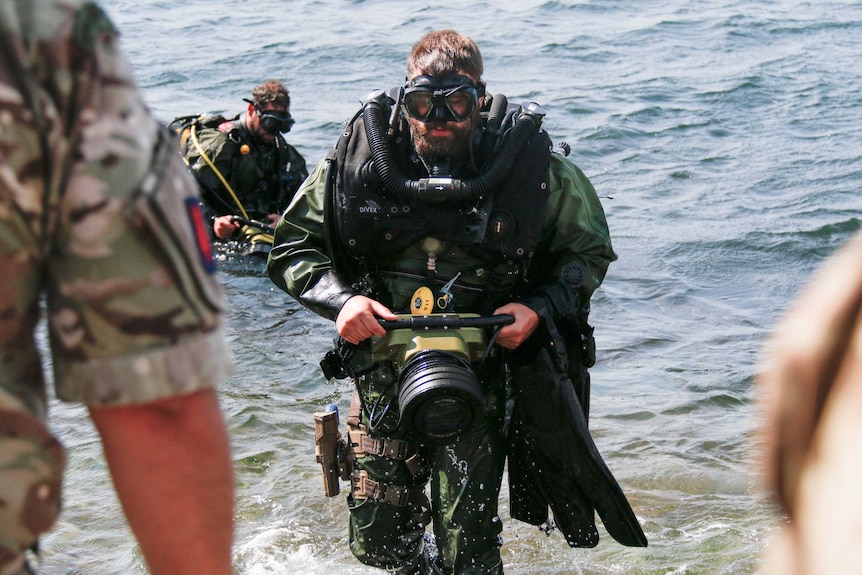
(98, 212)
(137, 313)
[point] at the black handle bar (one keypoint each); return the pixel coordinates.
(265, 228)
(446, 322)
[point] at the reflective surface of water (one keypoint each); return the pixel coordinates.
(725, 141)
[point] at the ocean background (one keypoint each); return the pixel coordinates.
(725, 141)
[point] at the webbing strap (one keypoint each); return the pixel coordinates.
(384, 447)
(363, 445)
(364, 488)
(354, 415)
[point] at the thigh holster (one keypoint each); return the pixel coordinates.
(364, 488)
(363, 444)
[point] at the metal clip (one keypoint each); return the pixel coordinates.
(446, 299)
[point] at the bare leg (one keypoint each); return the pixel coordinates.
(171, 466)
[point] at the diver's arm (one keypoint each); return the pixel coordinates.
(299, 263)
(576, 244)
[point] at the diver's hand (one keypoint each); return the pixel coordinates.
(526, 321)
(357, 320)
(224, 227)
(272, 219)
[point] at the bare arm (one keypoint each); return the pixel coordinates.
(810, 402)
(171, 466)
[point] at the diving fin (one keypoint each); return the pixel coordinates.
(562, 461)
(528, 502)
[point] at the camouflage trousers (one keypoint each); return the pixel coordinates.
(31, 465)
(464, 478)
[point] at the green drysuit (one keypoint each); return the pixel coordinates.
(465, 476)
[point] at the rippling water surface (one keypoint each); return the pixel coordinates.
(724, 138)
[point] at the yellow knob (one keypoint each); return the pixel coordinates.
(423, 302)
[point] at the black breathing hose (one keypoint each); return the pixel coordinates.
(496, 115)
(443, 190)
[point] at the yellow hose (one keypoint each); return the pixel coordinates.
(216, 171)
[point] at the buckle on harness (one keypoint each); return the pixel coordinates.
(363, 445)
(365, 488)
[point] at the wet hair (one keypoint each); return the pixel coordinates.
(440, 52)
(271, 91)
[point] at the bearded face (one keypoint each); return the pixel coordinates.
(441, 111)
(438, 140)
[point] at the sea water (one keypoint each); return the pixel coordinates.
(724, 140)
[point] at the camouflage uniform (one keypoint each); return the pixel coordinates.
(100, 223)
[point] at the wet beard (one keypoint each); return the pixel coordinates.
(433, 149)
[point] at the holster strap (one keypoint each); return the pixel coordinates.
(364, 488)
(363, 444)
(354, 414)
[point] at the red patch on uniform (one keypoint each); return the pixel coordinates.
(225, 127)
(202, 235)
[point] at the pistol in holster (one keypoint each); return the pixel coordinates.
(333, 453)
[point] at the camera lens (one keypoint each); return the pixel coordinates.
(440, 396)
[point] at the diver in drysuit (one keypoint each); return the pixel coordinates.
(440, 199)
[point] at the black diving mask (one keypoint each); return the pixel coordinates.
(452, 98)
(275, 122)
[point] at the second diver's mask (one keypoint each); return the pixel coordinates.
(452, 98)
(275, 122)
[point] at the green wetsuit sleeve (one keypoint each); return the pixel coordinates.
(576, 246)
(577, 225)
(299, 262)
